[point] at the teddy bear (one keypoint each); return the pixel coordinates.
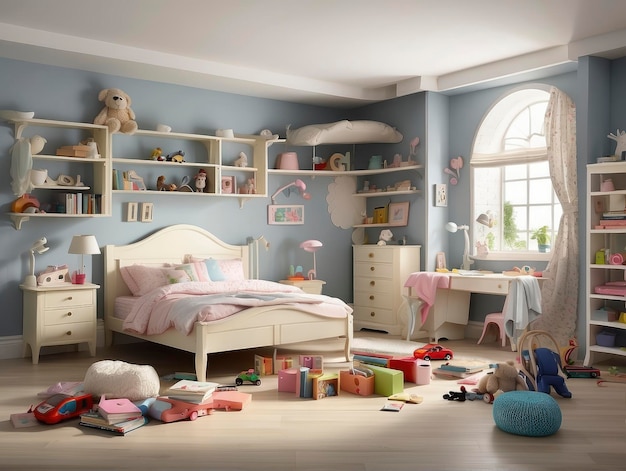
(117, 114)
(504, 378)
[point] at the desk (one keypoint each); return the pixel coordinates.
(449, 315)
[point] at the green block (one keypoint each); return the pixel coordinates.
(387, 381)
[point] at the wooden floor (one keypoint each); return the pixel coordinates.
(278, 431)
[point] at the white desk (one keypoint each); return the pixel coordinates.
(449, 315)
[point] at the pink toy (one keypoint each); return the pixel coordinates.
(173, 410)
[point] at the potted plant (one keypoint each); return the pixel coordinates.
(542, 237)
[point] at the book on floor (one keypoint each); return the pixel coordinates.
(465, 366)
(191, 391)
(116, 410)
(119, 428)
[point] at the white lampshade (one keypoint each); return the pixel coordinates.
(84, 245)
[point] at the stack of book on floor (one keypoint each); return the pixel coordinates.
(119, 416)
(196, 392)
(461, 368)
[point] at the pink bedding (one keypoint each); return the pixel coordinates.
(181, 305)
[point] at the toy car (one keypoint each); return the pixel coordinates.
(249, 375)
(433, 351)
(166, 409)
(60, 407)
(573, 371)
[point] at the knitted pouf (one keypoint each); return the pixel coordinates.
(529, 413)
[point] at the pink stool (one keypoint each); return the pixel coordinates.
(496, 318)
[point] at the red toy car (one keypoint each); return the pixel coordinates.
(62, 407)
(433, 351)
(172, 410)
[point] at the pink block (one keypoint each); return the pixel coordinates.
(230, 400)
(287, 379)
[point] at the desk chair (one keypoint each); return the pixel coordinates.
(496, 318)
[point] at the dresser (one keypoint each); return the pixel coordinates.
(379, 273)
(59, 315)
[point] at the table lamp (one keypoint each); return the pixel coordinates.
(39, 247)
(452, 227)
(311, 246)
(83, 245)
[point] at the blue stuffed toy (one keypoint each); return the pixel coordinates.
(548, 366)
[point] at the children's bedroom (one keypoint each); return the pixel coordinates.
(234, 239)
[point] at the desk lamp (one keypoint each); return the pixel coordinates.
(452, 227)
(298, 184)
(83, 245)
(312, 246)
(39, 247)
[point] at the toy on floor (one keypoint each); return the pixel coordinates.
(249, 375)
(504, 378)
(548, 368)
(168, 410)
(61, 407)
(463, 395)
(568, 352)
(407, 397)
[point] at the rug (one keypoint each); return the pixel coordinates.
(381, 345)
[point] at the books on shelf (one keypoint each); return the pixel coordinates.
(95, 420)
(117, 410)
(191, 391)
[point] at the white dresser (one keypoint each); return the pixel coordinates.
(379, 275)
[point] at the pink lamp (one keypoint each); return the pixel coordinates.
(299, 184)
(312, 246)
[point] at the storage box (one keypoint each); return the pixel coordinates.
(415, 370)
(287, 379)
(387, 381)
(606, 339)
(604, 314)
(356, 384)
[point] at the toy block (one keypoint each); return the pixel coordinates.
(387, 381)
(230, 400)
(415, 370)
(287, 379)
(315, 362)
(326, 385)
(356, 384)
(371, 360)
(266, 366)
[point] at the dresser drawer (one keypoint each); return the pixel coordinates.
(68, 333)
(55, 299)
(371, 254)
(371, 299)
(377, 315)
(67, 316)
(377, 270)
(372, 285)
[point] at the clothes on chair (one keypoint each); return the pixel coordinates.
(522, 304)
(425, 286)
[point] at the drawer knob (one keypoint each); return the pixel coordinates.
(372, 268)
(370, 255)
(69, 314)
(69, 332)
(372, 314)
(372, 283)
(69, 298)
(372, 297)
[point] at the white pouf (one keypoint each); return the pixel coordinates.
(114, 378)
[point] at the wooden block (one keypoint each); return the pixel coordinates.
(230, 400)
(409, 366)
(387, 381)
(326, 385)
(287, 379)
(356, 384)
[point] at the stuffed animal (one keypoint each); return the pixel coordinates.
(117, 114)
(505, 378)
(385, 236)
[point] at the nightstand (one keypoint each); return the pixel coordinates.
(59, 315)
(308, 286)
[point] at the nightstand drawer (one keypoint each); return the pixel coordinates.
(373, 285)
(378, 270)
(67, 333)
(57, 299)
(372, 254)
(65, 316)
(376, 315)
(372, 299)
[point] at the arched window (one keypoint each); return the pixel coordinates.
(513, 199)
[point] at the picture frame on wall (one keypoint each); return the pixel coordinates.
(398, 214)
(131, 212)
(441, 194)
(285, 214)
(146, 212)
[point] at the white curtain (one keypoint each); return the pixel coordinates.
(560, 291)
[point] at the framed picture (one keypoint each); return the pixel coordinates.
(285, 214)
(229, 185)
(440, 261)
(146, 212)
(398, 214)
(441, 194)
(131, 212)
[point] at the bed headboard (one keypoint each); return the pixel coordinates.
(168, 245)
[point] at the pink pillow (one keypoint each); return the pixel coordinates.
(142, 279)
(232, 269)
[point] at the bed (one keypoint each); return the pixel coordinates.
(255, 326)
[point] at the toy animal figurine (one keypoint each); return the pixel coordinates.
(548, 367)
(157, 154)
(162, 186)
(200, 180)
(178, 156)
(242, 161)
(385, 236)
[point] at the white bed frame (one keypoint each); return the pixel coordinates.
(254, 327)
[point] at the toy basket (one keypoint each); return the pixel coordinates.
(528, 362)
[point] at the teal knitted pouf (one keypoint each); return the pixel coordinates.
(528, 413)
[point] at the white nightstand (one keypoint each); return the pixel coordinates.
(59, 315)
(308, 286)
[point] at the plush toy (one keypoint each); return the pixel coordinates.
(385, 236)
(505, 378)
(548, 368)
(117, 114)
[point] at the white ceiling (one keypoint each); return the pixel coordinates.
(328, 52)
